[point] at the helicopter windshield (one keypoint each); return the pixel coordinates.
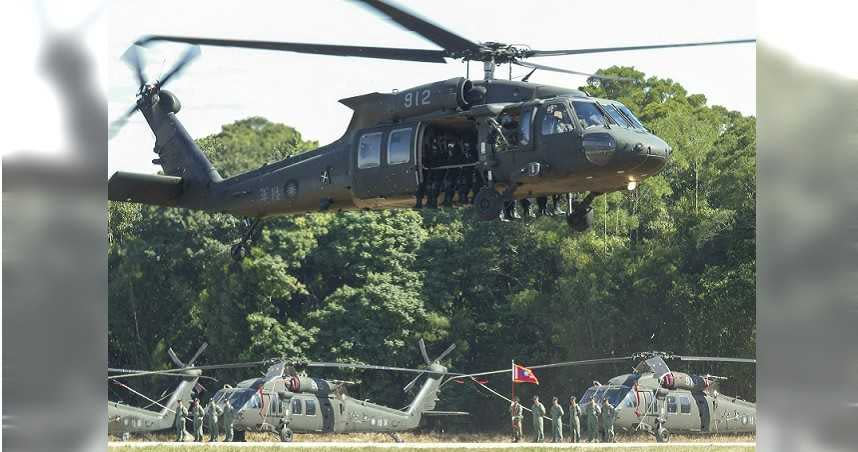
(614, 394)
(240, 397)
(636, 123)
(589, 114)
(617, 116)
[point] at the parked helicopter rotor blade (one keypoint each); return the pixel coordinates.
(422, 346)
(178, 362)
(446, 39)
(584, 362)
(371, 367)
(187, 57)
(410, 385)
(714, 358)
(132, 58)
(198, 353)
(543, 53)
(185, 369)
(445, 352)
(568, 71)
(387, 53)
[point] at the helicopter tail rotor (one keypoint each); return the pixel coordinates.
(147, 92)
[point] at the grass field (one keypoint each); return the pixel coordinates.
(367, 449)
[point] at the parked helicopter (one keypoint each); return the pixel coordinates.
(482, 142)
(659, 401)
(285, 402)
(122, 419)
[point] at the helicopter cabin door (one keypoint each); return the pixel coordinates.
(703, 409)
(552, 130)
(385, 166)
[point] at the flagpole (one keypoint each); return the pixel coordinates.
(513, 380)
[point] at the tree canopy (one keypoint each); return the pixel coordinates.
(669, 266)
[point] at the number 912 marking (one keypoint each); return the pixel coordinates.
(417, 98)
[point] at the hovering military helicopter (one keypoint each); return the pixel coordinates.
(285, 402)
(482, 142)
(122, 419)
(659, 401)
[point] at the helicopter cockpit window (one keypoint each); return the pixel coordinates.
(238, 398)
(617, 116)
(296, 406)
(636, 123)
(399, 146)
(556, 120)
(311, 408)
(254, 401)
(589, 114)
(369, 150)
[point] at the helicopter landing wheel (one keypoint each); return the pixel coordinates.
(581, 219)
(126, 436)
(488, 204)
(662, 435)
(286, 434)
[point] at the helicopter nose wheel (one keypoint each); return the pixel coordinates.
(488, 204)
(662, 435)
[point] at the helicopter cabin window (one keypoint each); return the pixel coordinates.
(369, 150)
(589, 114)
(617, 116)
(671, 404)
(311, 407)
(399, 146)
(524, 126)
(556, 120)
(296, 406)
(684, 405)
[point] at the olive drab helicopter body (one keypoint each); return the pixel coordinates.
(659, 401)
(481, 142)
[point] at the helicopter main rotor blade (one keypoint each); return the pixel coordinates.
(568, 71)
(387, 53)
(198, 353)
(446, 352)
(187, 57)
(371, 367)
(185, 369)
(714, 358)
(449, 41)
(584, 362)
(422, 345)
(542, 53)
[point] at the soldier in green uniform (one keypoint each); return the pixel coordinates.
(556, 421)
(228, 419)
(538, 410)
(197, 413)
(179, 423)
(574, 422)
(213, 411)
(516, 411)
(609, 414)
(592, 411)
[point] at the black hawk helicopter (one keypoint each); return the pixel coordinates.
(285, 401)
(483, 142)
(659, 401)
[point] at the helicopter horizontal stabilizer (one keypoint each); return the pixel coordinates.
(144, 188)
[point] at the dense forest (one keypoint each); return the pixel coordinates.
(669, 266)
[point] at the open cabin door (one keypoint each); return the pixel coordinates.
(385, 164)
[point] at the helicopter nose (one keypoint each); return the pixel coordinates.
(651, 157)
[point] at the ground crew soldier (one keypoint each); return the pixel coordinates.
(213, 412)
(179, 423)
(228, 419)
(574, 422)
(601, 421)
(538, 410)
(591, 411)
(516, 411)
(556, 421)
(609, 413)
(197, 413)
